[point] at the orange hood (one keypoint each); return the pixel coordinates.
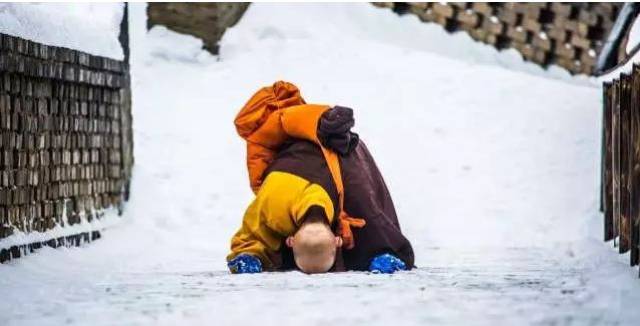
(263, 103)
(271, 116)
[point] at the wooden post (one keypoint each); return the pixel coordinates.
(634, 166)
(607, 182)
(615, 156)
(625, 97)
(123, 36)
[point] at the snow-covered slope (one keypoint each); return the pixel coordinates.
(89, 27)
(494, 173)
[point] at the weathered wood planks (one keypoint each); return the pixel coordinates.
(65, 136)
(621, 163)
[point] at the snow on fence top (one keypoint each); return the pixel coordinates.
(87, 27)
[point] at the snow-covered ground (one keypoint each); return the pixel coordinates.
(493, 165)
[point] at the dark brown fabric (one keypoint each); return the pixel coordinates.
(366, 197)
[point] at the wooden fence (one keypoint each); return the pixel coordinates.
(66, 148)
(621, 163)
(570, 35)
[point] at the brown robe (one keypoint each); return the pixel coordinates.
(366, 197)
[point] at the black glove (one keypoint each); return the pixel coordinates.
(334, 130)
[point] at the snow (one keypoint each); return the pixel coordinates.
(634, 36)
(493, 165)
(109, 218)
(634, 39)
(89, 27)
(625, 68)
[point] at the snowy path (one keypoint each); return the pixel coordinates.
(497, 187)
(515, 286)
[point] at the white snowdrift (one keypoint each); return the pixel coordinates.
(88, 27)
(634, 36)
(336, 25)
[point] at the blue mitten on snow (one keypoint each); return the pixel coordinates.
(386, 264)
(245, 263)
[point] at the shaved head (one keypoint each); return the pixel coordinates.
(314, 247)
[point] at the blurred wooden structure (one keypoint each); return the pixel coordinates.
(205, 20)
(569, 35)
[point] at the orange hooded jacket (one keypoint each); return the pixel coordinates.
(268, 119)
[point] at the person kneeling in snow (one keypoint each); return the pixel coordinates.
(311, 175)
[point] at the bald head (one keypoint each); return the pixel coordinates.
(314, 247)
